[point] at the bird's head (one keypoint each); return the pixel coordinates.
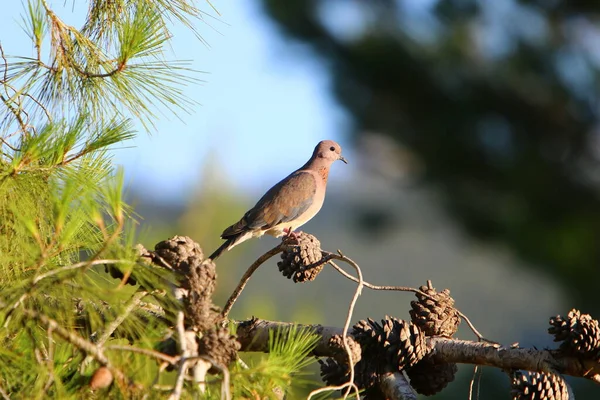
(329, 150)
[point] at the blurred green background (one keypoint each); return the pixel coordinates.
(472, 132)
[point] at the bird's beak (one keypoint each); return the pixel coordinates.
(343, 159)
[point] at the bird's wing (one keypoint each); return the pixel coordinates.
(284, 202)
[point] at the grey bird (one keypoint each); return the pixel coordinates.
(289, 204)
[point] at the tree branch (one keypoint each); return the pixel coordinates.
(394, 385)
(253, 335)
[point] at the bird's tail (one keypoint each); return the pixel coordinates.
(225, 246)
(231, 242)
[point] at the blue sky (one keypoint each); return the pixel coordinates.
(263, 105)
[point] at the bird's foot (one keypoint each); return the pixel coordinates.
(289, 233)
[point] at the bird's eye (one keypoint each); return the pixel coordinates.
(332, 148)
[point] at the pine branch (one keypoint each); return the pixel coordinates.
(253, 335)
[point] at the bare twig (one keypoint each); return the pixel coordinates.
(199, 372)
(246, 277)
(62, 30)
(183, 364)
(82, 264)
(75, 340)
(148, 352)
(9, 103)
(225, 392)
(350, 384)
(69, 336)
(38, 278)
(178, 389)
(50, 361)
(52, 272)
(131, 305)
(4, 394)
(6, 143)
(370, 285)
(161, 369)
(472, 383)
(473, 329)
(407, 289)
(5, 73)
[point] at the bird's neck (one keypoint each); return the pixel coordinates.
(323, 172)
(318, 165)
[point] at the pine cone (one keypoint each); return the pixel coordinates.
(436, 317)
(201, 311)
(366, 373)
(579, 334)
(196, 279)
(537, 386)
(428, 378)
(337, 345)
(219, 345)
(407, 342)
(397, 342)
(180, 253)
(333, 373)
(300, 253)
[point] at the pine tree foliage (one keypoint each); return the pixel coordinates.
(63, 220)
(289, 353)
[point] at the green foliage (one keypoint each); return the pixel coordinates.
(64, 223)
(289, 354)
(110, 64)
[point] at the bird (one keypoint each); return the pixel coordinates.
(289, 204)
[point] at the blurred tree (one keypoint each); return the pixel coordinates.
(498, 100)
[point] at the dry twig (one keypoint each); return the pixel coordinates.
(350, 384)
(407, 289)
(246, 277)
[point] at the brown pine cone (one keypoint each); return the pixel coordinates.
(180, 253)
(396, 342)
(200, 309)
(219, 345)
(578, 333)
(428, 378)
(437, 316)
(300, 252)
(337, 345)
(366, 376)
(333, 373)
(538, 386)
(406, 342)
(366, 332)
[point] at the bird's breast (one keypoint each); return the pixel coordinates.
(306, 216)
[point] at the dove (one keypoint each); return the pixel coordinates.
(289, 204)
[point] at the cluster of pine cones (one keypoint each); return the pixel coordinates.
(377, 348)
(398, 345)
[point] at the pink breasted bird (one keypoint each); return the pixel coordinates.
(289, 204)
